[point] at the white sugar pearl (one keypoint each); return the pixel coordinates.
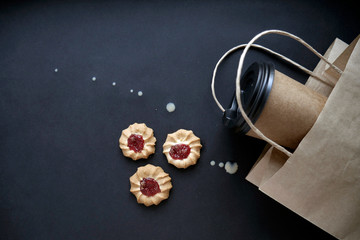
(56, 70)
(94, 79)
(114, 83)
(212, 163)
(140, 93)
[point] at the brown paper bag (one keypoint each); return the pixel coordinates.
(321, 180)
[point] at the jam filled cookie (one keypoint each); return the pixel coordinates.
(150, 185)
(137, 141)
(182, 148)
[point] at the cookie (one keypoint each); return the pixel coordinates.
(137, 141)
(150, 185)
(182, 148)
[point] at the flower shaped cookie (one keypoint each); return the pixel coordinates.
(137, 141)
(182, 148)
(150, 185)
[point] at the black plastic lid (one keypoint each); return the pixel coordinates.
(256, 84)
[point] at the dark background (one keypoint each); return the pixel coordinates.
(62, 175)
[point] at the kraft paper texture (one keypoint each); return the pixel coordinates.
(321, 180)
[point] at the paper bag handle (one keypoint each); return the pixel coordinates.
(239, 69)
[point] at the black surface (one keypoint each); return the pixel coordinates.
(62, 174)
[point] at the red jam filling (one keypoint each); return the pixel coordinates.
(180, 151)
(136, 142)
(149, 187)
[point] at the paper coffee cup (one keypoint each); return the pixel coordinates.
(283, 109)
